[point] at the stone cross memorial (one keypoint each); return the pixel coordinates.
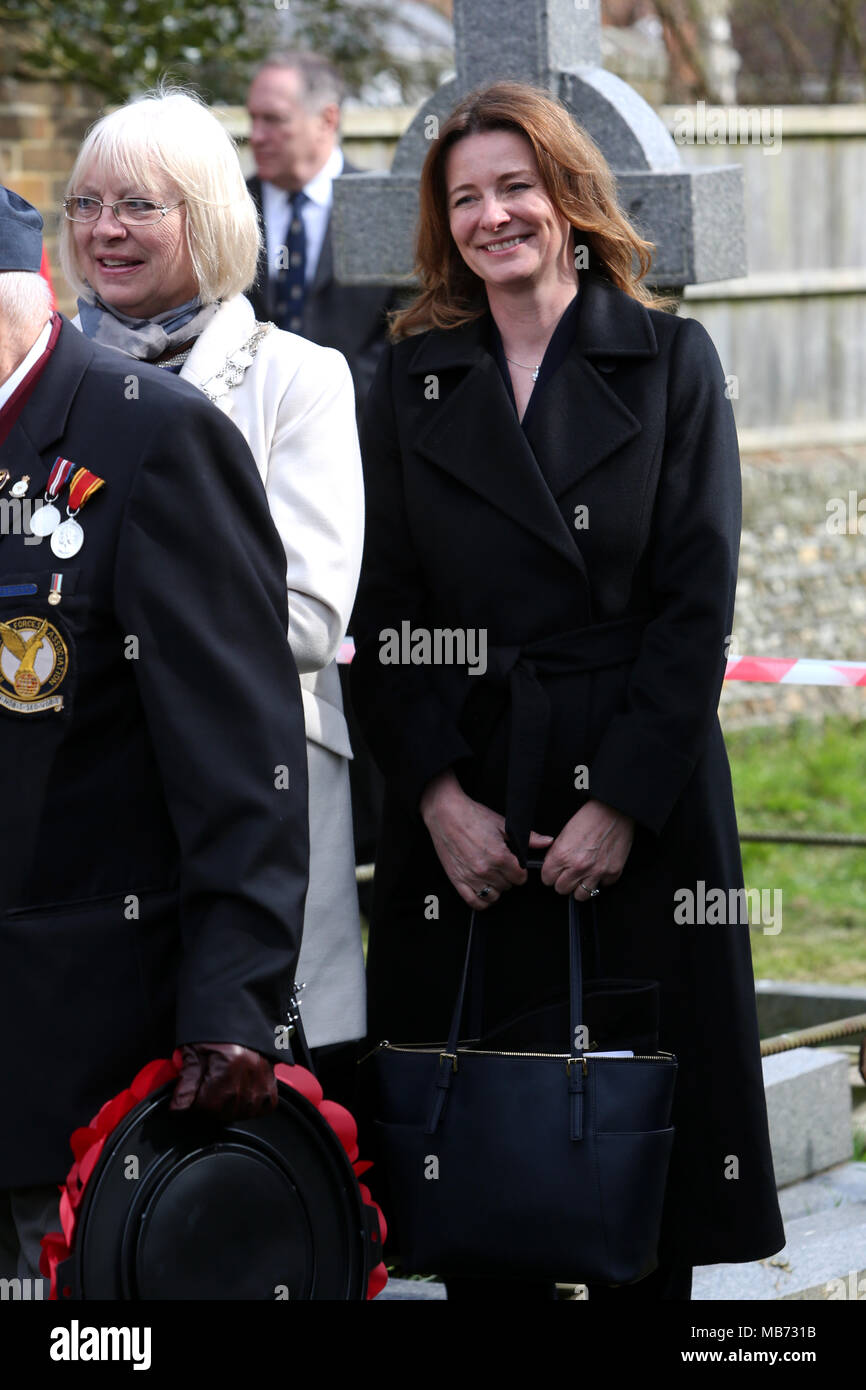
(693, 215)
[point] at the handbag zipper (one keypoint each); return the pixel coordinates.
(484, 1052)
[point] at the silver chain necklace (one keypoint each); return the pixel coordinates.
(535, 370)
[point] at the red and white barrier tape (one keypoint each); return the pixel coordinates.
(781, 670)
(775, 670)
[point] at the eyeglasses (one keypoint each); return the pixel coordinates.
(132, 212)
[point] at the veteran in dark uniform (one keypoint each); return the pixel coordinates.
(153, 817)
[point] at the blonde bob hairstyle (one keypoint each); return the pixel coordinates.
(169, 140)
(576, 177)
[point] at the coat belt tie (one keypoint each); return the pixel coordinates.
(589, 648)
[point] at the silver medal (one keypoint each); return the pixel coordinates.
(44, 520)
(68, 539)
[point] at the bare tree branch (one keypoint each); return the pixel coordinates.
(797, 57)
(668, 13)
(850, 26)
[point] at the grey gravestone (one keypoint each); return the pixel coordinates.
(693, 215)
(809, 1110)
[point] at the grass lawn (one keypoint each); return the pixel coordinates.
(806, 778)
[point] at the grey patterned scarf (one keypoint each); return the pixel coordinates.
(145, 339)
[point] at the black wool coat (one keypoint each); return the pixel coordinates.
(622, 502)
(153, 859)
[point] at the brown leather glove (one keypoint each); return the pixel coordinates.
(226, 1080)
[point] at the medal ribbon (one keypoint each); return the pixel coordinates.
(58, 476)
(82, 488)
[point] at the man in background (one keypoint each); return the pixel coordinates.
(294, 106)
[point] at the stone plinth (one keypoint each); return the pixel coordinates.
(809, 1110)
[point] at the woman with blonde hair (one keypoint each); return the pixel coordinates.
(160, 241)
(552, 473)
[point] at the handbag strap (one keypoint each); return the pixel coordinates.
(575, 983)
(474, 1014)
(593, 914)
(576, 1062)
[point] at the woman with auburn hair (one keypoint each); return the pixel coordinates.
(578, 182)
(160, 241)
(552, 471)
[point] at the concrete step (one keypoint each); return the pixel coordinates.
(412, 1290)
(824, 1256)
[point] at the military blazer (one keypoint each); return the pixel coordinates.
(153, 818)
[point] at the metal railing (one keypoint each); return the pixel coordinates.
(812, 1037)
(797, 837)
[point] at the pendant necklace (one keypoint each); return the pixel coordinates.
(535, 370)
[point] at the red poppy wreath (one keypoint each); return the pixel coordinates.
(88, 1142)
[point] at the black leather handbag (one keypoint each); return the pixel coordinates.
(525, 1164)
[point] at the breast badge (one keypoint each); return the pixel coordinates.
(33, 662)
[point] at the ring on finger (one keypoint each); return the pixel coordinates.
(590, 892)
(485, 891)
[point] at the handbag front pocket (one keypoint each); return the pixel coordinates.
(499, 1185)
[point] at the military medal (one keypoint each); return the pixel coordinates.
(19, 489)
(55, 595)
(47, 517)
(68, 539)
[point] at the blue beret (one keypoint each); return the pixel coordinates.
(20, 233)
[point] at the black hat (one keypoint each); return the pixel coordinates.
(20, 233)
(172, 1200)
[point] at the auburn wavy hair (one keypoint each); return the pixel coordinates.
(578, 181)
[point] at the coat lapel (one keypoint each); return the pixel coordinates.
(474, 433)
(43, 419)
(262, 286)
(582, 420)
(217, 356)
(324, 272)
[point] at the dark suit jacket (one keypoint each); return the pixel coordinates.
(152, 868)
(350, 318)
(463, 532)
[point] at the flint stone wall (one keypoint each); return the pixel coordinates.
(802, 588)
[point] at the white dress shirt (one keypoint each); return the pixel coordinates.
(12, 382)
(315, 213)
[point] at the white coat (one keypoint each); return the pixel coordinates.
(293, 401)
